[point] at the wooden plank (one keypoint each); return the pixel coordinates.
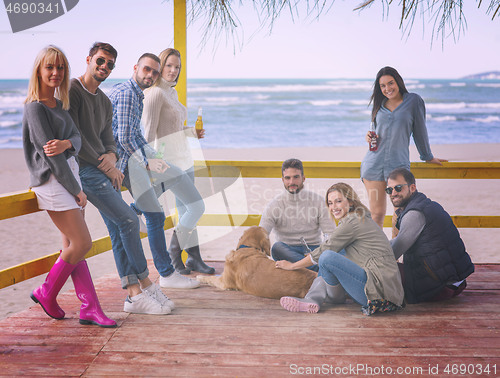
(48, 353)
(324, 169)
(476, 221)
(53, 369)
(57, 340)
(242, 220)
(177, 326)
(489, 267)
(17, 203)
(18, 327)
(424, 319)
(150, 364)
(321, 347)
(260, 371)
(455, 170)
(180, 44)
(27, 270)
(234, 359)
(215, 332)
(343, 335)
(246, 220)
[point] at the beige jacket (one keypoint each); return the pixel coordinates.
(366, 244)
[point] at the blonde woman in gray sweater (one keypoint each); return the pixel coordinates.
(357, 258)
(51, 141)
(163, 118)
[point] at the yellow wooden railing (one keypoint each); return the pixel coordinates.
(22, 203)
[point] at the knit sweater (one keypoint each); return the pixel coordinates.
(41, 124)
(163, 120)
(293, 216)
(92, 114)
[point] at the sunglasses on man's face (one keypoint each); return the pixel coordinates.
(397, 188)
(109, 64)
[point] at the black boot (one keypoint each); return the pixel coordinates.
(175, 252)
(194, 261)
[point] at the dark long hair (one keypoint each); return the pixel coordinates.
(377, 96)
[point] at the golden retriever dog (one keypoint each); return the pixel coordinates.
(249, 269)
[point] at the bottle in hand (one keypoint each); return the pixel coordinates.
(199, 121)
(373, 138)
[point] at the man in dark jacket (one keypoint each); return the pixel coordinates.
(435, 262)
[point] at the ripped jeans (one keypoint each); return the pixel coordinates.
(122, 224)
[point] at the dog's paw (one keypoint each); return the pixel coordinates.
(201, 278)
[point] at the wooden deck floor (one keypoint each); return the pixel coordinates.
(226, 333)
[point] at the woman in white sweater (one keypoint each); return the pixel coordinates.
(163, 118)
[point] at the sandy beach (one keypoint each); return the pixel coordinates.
(31, 236)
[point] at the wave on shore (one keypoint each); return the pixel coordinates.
(247, 113)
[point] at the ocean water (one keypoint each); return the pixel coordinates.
(245, 113)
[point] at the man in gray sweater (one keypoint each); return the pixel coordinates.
(297, 216)
(92, 113)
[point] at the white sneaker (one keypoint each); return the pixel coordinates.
(155, 292)
(145, 304)
(177, 281)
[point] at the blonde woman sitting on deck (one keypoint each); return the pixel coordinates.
(357, 258)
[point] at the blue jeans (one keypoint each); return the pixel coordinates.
(292, 253)
(182, 208)
(336, 269)
(146, 186)
(122, 224)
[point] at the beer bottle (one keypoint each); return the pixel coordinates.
(199, 120)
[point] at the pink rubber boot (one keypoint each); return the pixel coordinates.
(46, 293)
(311, 302)
(90, 312)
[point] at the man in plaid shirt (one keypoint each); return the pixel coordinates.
(147, 176)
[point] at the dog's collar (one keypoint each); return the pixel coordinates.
(247, 246)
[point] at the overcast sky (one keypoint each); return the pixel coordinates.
(340, 44)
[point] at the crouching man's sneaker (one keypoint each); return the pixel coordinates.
(176, 281)
(155, 292)
(145, 304)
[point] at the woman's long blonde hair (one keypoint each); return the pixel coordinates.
(49, 55)
(356, 206)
